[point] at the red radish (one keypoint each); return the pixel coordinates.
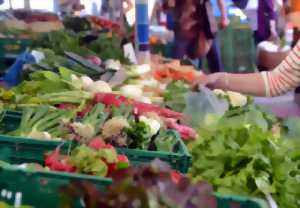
(184, 131)
(145, 108)
(112, 167)
(123, 162)
(94, 60)
(52, 157)
(141, 108)
(54, 162)
(62, 166)
(175, 176)
(97, 144)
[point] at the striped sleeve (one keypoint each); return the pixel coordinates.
(284, 77)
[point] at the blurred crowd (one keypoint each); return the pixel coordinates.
(196, 27)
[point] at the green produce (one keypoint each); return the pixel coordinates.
(77, 24)
(54, 61)
(43, 123)
(247, 115)
(61, 41)
(89, 161)
(166, 141)
(91, 123)
(139, 135)
(292, 127)
(108, 46)
(45, 88)
(248, 161)
(174, 95)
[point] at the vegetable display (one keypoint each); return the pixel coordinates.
(96, 158)
(117, 126)
(86, 92)
(151, 185)
(106, 45)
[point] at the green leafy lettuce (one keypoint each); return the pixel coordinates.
(248, 161)
(174, 95)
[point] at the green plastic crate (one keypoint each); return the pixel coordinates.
(39, 188)
(34, 150)
(46, 185)
(240, 202)
(12, 47)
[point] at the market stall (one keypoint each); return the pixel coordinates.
(82, 125)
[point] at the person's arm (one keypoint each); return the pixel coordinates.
(224, 19)
(277, 82)
(250, 84)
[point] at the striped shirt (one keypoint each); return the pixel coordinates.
(284, 77)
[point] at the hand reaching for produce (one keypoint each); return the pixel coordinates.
(212, 81)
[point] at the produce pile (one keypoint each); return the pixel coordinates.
(83, 90)
(248, 161)
(151, 185)
(96, 158)
(118, 126)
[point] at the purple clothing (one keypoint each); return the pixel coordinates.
(265, 14)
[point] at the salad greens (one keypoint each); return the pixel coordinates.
(248, 161)
(139, 135)
(292, 127)
(108, 46)
(174, 96)
(60, 41)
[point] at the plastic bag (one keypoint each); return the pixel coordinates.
(14, 73)
(204, 108)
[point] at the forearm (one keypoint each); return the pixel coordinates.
(222, 8)
(250, 84)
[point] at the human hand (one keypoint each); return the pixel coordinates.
(212, 81)
(224, 22)
(171, 3)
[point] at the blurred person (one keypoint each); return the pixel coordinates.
(70, 7)
(262, 18)
(214, 59)
(266, 21)
(282, 79)
(190, 18)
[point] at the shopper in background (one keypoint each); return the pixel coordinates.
(194, 18)
(282, 79)
(214, 59)
(266, 21)
(70, 7)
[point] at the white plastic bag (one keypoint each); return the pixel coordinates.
(204, 108)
